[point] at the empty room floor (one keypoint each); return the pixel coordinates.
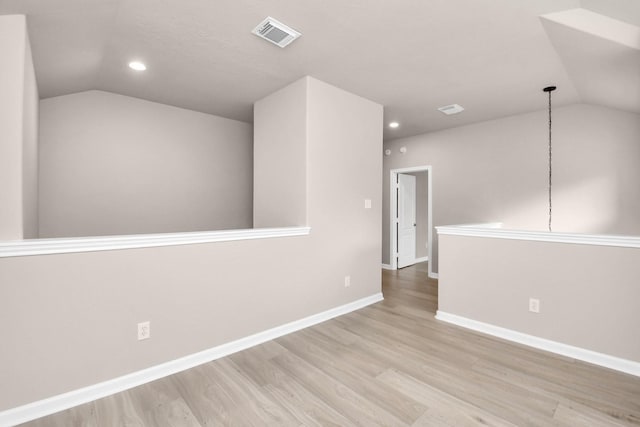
(388, 364)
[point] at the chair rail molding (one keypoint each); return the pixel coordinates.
(16, 248)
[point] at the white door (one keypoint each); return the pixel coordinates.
(406, 220)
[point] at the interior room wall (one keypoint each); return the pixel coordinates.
(497, 171)
(280, 194)
(69, 320)
(30, 147)
(588, 294)
(18, 132)
(112, 164)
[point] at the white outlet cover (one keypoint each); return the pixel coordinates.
(144, 330)
(367, 203)
(347, 281)
(534, 305)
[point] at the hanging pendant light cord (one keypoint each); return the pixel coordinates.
(549, 89)
(550, 164)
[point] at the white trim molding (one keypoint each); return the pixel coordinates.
(387, 267)
(422, 259)
(600, 359)
(493, 230)
(74, 398)
(107, 243)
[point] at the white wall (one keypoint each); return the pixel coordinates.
(111, 164)
(497, 171)
(280, 193)
(69, 320)
(18, 132)
(30, 148)
(588, 294)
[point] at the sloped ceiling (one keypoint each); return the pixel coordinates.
(601, 56)
(491, 56)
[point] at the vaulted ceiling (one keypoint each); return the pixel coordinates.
(491, 56)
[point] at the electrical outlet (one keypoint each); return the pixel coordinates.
(347, 281)
(367, 203)
(144, 330)
(534, 305)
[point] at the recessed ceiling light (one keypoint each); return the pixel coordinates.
(394, 125)
(137, 65)
(451, 109)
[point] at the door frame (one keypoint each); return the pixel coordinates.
(393, 198)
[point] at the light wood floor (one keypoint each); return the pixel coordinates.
(389, 364)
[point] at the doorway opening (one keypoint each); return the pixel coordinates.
(411, 227)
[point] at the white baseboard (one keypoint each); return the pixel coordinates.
(73, 398)
(387, 267)
(433, 276)
(422, 259)
(600, 359)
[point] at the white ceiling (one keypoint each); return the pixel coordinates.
(491, 56)
(601, 56)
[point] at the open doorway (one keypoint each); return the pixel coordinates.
(411, 217)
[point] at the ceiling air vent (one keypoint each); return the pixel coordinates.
(276, 32)
(451, 109)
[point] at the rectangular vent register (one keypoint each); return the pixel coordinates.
(276, 32)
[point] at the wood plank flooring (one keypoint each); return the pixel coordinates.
(389, 364)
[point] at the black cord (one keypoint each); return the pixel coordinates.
(550, 168)
(549, 89)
